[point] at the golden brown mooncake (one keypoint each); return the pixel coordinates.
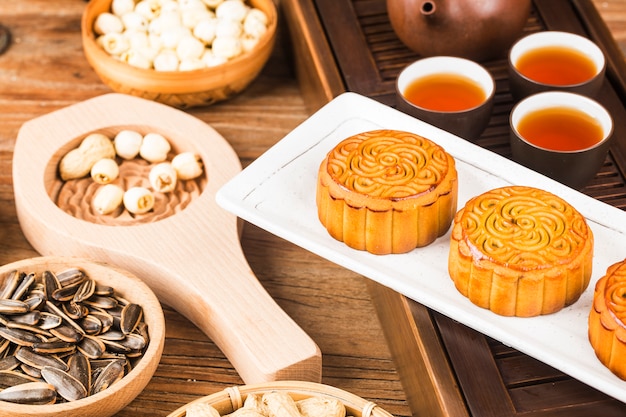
(607, 319)
(520, 251)
(387, 191)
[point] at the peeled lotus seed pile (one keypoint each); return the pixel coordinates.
(179, 35)
(96, 157)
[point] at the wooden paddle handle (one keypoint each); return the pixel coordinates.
(231, 306)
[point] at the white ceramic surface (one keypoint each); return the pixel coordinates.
(277, 192)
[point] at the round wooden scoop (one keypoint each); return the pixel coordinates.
(192, 259)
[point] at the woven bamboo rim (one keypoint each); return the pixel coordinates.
(232, 398)
(181, 89)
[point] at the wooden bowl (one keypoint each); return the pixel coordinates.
(118, 395)
(232, 398)
(181, 89)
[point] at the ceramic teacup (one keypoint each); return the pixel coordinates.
(454, 94)
(565, 136)
(554, 60)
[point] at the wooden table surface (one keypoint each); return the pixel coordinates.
(44, 69)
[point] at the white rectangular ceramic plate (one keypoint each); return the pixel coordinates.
(277, 193)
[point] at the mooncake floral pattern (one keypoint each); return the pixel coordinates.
(385, 164)
(523, 227)
(615, 293)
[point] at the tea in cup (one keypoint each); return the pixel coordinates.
(554, 60)
(565, 136)
(454, 94)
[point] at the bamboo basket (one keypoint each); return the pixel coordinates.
(180, 89)
(232, 398)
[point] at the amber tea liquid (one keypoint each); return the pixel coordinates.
(561, 129)
(445, 92)
(556, 65)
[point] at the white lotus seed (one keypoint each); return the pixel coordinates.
(205, 30)
(137, 39)
(254, 27)
(191, 64)
(108, 23)
(228, 27)
(256, 14)
(191, 17)
(170, 6)
(210, 60)
(113, 43)
(191, 5)
(172, 36)
(105, 171)
(138, 200)
(136, 59)
(212, 3)
(248, 43)
(227, 47)
(148, 8)
(127, 143)
(121, 7)
(107, 199)
(187, 165)
(166, 60)
(162, 177)
(231, 9)
(135, 21)
(189, 48)
(154, 147)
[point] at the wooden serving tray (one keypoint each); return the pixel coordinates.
(448, 369)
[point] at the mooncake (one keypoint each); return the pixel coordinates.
(520, 251)
(607, 319)
(387, 191)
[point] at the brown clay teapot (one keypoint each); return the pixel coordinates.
(475, 29)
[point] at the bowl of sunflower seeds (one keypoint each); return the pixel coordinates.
(77, 337)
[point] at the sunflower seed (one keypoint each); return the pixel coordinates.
(39, 361)
(91, 324)
(33, 393)
(49, 321)
(19, 337)
(86, 290)
(65, 384)
(58, 347)
(92, 347)
(108, 376)
(71, 276)
(31, 318)
(80, 368)
(9, 363)
(67, 333)
(10, 378)
(24, 286)
(130, 318)
(10, 306)
(10, 284)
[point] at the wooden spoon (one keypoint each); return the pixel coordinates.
(192, 260)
